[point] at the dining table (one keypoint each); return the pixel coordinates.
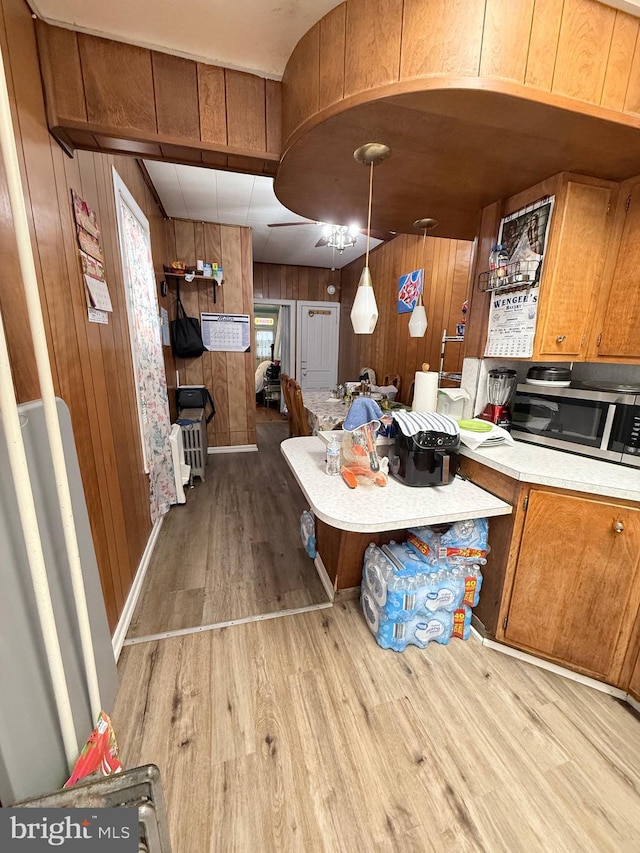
(324, 411)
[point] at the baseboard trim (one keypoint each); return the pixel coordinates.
(552, 667)
(126, 616)
(235, 448)
(634, 703)
(323, 574)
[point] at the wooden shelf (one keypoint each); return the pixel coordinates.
(182, 275)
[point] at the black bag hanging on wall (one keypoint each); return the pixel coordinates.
(186, 337)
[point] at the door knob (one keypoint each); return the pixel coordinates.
(618, 526)
(561, 338)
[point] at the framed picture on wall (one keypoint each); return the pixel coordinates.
(410, 287)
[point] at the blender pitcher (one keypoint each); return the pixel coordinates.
(501, 383)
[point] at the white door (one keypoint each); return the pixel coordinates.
(317, 349)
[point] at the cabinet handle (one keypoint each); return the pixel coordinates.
(561, 338)
(618, 526)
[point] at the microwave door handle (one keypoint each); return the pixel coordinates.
(608, 425)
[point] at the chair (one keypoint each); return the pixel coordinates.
(298, 421)
(396, 380)
(284, 385)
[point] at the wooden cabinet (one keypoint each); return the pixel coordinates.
(574, 259)
(575, 591)
(562, 579)
(615, 330)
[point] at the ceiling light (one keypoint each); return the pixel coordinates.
(364, 314)
(418, 322)
(339, 237)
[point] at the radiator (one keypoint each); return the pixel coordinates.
(181, 470)
(194, 440)
(138, 788)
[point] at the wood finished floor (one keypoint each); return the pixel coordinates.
(300, 734)
(233, 550)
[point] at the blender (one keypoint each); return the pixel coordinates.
(501, 383)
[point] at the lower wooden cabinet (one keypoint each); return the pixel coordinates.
(562, 579)
(575, 590)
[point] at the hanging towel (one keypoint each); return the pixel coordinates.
(412, 422)
(362, 411)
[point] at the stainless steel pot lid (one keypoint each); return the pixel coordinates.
(622, 387)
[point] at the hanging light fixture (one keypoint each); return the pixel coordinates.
(418, 322)
(364, 314)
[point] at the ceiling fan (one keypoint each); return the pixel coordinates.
(339, 237)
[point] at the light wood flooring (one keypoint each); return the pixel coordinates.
(233, 550)
(300, 734)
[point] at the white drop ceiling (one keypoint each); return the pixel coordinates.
(209, 195)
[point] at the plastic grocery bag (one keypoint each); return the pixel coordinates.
(99, 754)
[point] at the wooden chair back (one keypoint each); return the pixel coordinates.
(396, 380)
(298, 420)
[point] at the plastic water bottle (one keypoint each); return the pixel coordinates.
(333, 456)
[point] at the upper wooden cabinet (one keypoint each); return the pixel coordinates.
(615, 330)
(572, 269)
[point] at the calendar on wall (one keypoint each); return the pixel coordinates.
(226, 332)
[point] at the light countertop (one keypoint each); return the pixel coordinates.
(547, 467)
(373, 509)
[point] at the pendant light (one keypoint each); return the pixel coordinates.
(364, 314)
(418, 322)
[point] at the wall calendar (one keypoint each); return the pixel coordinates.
(226, 332)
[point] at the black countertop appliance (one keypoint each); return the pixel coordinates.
(428, 458)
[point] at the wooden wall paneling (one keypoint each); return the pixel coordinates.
(246, 105)
(475, 334)
(623, 45)
(583, 50)
(212, 104)
(332, 56)
(175, 82)
(441, 37)
(505, 39)
(118, 83)
(57, 294)
(112, 377)
(373, 29)
(632, 96)
(215, 362)
(134, 485)
(239, 365)
(296, 283)
(543, 43)
(301, 82)
(61, 71)
(273, 102)
(246, 253)
(87, 437)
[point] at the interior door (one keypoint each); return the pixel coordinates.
(317, 350)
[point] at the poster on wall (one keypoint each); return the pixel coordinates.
(226, 332)
(410, 287)
(514, 307)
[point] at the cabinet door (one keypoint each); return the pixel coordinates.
(575, 594)
(634, 684)
(572, 270)
(620, 324)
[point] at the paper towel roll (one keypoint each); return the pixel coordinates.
(425, 391)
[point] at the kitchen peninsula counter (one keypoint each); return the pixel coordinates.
(347, 520)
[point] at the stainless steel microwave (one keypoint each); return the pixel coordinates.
(602, 424)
